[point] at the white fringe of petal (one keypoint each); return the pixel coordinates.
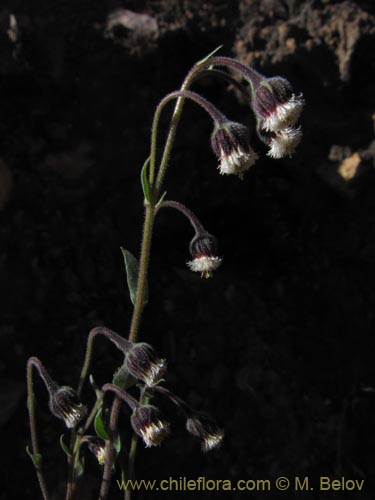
(154, 433)
(285, 115)
(284, 143)
(204, 264)
(212, 441)
(237, 162)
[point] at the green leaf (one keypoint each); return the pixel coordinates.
(132, 270)
(204, 60)
(65, 449)
(161, 200)
(100, 427)
(144, 180)
(123, 379)
(79, 468)
(35, 457)
(98, 392)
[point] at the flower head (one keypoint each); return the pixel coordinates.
(203, 249)
(148, 423)
(64, 404)
(204, 428)
(97, 446)
(230, 143)
(275, 104)
(144, 364)
(284, 142)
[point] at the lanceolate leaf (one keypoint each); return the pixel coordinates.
(205, 59)
(64, 447)
(132, 270)
(99, 426)
(144, 179)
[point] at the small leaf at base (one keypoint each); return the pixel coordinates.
(35, 457)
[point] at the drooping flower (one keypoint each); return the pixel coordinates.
(97, 446)
(64, 404)
(284, 142)
(275, 105)
(203, 249)
(144, 364)
(149, 424)
(230, 143)
(203, 427)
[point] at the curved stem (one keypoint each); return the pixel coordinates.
(133, 403)
(193, 73)
(114, 337)
(227, 77)
(247, 72)
(33, 431)
(193, 219)
(215, 114)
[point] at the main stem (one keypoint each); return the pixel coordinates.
(134, 328)
(143, 269)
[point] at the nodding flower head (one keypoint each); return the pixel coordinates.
(204, 428)
(143, 363)
(283, 142)
(97, 446)
(230, 143)
(203, 249)
(148, 423)
(64, 404)
(275, 105)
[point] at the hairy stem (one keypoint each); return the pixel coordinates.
(193, 73)
(33, 431)
(144, 261)
(193, 219)
(216, 115)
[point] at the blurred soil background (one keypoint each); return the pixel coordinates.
(279, 345)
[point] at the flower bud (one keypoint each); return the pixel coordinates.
(230, 143)
(203, 249)
(143, 363)
(64, 404)
(275, 104)
(204, 428)
(148, 423)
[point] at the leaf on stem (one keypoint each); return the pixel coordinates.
(100, 426)
(144, 180)
(161, 200)
(79, 468)
(132, 271)
(35, 457)
(205, 59)
(64, 448)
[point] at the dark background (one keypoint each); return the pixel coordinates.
(278, 346)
